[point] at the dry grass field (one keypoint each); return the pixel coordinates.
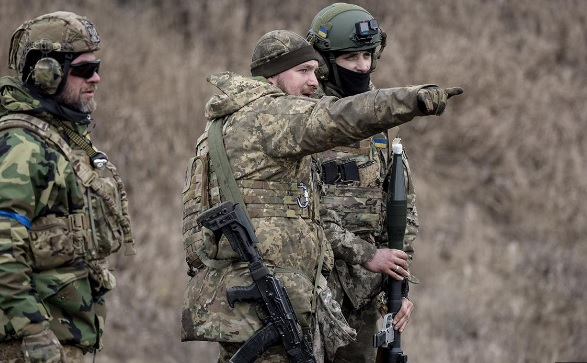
(501, 177)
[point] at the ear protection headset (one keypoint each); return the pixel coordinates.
(47, 73)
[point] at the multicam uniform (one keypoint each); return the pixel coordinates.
(269, 140)
(60, 218)
(353, 213)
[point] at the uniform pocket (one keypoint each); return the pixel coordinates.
(108, 234)
(193, 235)
(78, 315)
(51, 243)
(299, 288)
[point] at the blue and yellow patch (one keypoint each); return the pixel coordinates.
(323, 32)
(379, 142)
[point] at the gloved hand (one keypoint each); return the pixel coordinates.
(432, 100)
(42, 347)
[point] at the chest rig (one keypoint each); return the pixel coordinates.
(352, 184)
(206, 187)
(92, 233)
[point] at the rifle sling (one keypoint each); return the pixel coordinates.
(219, 161)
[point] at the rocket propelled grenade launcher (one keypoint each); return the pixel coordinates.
(387, 340)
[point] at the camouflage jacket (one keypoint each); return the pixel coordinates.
(59, 220)
(269, 139)
(353, 208)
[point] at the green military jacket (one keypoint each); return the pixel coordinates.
(60, 217)
(269, 139)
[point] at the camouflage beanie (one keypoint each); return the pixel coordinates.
(278, 51)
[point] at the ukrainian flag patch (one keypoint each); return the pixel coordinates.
(380, 142)
(323, 32)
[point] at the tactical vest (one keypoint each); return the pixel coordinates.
(262, 199)
(352, 179)
(92, 233)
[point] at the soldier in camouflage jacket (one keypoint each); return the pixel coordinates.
(63, 207)
(353, 177)
(270, 130)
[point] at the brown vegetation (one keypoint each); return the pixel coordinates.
(500, 177)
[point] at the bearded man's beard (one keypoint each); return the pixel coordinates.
(74, 101)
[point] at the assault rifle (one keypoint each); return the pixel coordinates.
(280, 324)
(387, 340)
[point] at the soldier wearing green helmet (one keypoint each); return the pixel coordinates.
(350, 42)
(63, 206)
(340, 29)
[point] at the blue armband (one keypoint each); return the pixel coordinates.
(17, 217)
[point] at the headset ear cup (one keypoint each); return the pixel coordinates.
(47, 75)
(374, 58)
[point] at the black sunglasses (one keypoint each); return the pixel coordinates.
(85, 69)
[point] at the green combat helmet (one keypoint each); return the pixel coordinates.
(42, 49)
(340, 28)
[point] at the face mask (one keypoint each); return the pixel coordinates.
(353, 83)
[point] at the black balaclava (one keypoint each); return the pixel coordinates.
(353, 83)
(346, 82)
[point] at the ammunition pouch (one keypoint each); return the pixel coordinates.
(345, 172)
(360, 209)
(58, 240)
(107, 234)
(51, 243)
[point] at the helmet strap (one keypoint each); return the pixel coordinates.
(377, 54)
(334, 69)
(66, 63)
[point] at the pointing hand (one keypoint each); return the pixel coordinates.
(432, 100)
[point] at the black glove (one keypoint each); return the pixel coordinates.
(432, 100)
